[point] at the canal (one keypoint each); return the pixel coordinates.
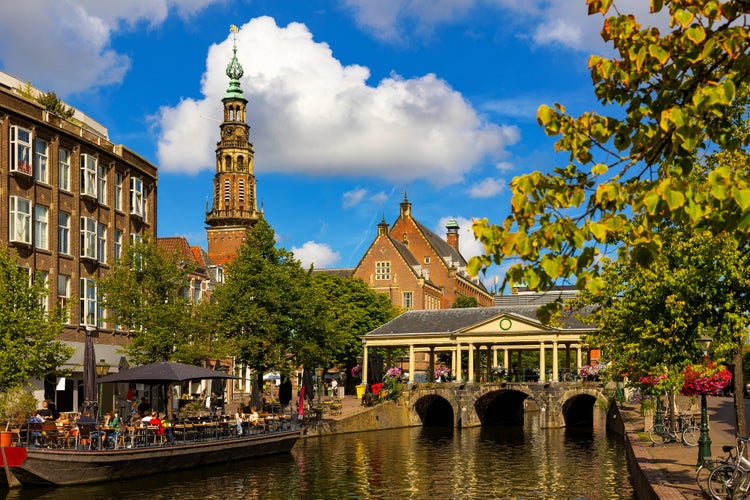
(423, 462)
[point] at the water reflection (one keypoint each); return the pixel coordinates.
(489, 462)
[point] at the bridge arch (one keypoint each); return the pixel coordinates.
(435, 410)
(579, 408)
(502, 407)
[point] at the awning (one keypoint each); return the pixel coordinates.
(111, 354)
(165, 372)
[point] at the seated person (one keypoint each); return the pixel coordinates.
(143, 407)
(254, 418)
(88, 421)
(146, 417)
(156, 421)
(46, 412)
(36, 433)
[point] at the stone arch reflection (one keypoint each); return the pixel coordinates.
(434, 410)
(505, 407)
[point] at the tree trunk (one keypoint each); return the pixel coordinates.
(740, 426)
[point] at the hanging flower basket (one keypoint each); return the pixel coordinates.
(707, 379)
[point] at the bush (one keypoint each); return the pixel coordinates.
(16, 405)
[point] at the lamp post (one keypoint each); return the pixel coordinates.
(319, 372)
(704, 441)
(102, 368)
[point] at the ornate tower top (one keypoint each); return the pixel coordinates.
(234, 70)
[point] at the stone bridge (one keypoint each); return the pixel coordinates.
(468, 405)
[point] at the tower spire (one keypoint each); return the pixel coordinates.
(234, 70)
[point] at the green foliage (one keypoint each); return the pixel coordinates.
(146, 292)
(650, 319)
(16, 405)
(28, 345)
(462, 301)
(676, 96)
(267, 308)
(54, 105)
(352, 309)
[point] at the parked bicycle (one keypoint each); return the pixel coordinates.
(709, 464)
(731, 480)
(687, 430)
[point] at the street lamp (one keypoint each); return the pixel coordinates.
(102, 368)
(319, 372)
(704, 441)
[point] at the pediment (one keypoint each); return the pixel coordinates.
(508, 323)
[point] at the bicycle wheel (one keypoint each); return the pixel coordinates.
(720, 484)
(690, 435)
(657, 434)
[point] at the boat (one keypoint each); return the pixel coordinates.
(32, 465)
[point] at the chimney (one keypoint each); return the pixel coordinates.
(452, 235)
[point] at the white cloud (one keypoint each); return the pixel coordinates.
(64, 45)
(310, 114)
(354, 197)
(467, 244)
(319, 255)
(487, 188)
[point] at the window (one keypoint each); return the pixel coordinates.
(119, 179)
(100, 313)
(20, 220)
(41, 236)
(118, 243)
(241, 192)
(40, 160)
(43, 277)
(383, 270)
(135, 239)
(63, 169)
(197, 290)
(63, 293)
(63, 233)
(427, 259)
(137, 204)
(227, 193)
(88, 302)
(88, 238)
(408, 300)
(20, 150)
(88, 175)
(101, 184)
(101, 243)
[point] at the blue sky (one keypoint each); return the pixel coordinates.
(352, 103)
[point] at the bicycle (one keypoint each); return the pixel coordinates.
(663, 433)
(731, 480)
(709, 464)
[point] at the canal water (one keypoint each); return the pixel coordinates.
(430, 462)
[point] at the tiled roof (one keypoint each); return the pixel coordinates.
(454, 320)
(177, 245)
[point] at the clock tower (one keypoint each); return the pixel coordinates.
(234, 209)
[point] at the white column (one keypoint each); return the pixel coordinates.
(542, 367)
(364, 365)
(494, 357)
(453, 362)
(471, 363)
(578, 359)
(555, 367)
(506, 361)
(458, 373)
(412, 363)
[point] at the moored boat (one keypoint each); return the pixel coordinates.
(50, 466)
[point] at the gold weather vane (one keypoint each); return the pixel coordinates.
(234, 30)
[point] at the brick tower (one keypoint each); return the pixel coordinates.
(234, 209)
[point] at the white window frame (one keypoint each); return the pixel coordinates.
(63, 233)
(41, 227)
(63, 169)
(20, 150)
(119, 180)
(118, 244)
(63, 293)
(88, 238)
(407, 300)
(20, 220)
(88, 175)
(137, 197)
(41, 160)
(383, 270)
(197, 290)
(44, 301)
(101, 184)
(101, 243)
(88, 301)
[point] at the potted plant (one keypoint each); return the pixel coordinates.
(16, 405)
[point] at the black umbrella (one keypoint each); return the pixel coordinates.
(90, 396)
(165, 371)
(285, 391)
(307, 382)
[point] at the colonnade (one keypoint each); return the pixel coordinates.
(476, 350)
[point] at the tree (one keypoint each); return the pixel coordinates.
(28, 331)
(146, 292)
(627, 173)
(267, 309)
(462, 301)
(54, 105)
(352, 309)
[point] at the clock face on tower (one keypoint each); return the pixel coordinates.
(228, 131)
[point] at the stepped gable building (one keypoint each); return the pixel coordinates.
(234, 210)
(416, 268)
(69, 201)
(198, 289)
